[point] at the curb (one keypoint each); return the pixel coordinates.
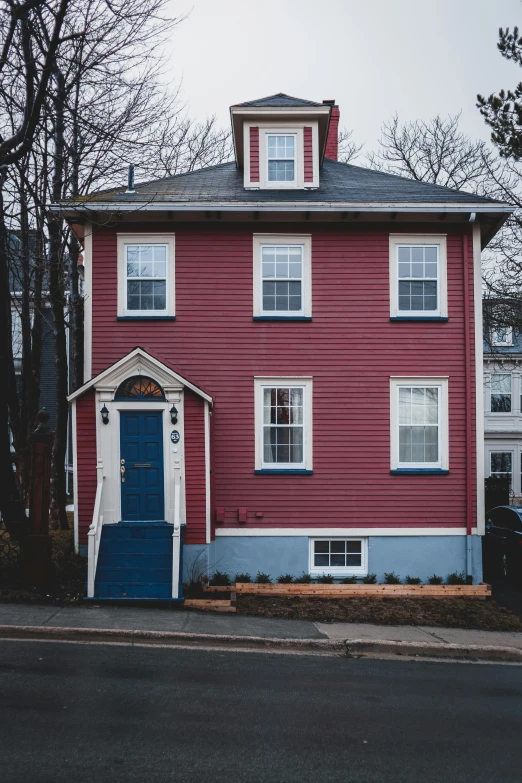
(169, 638)
(359, 648)
(350, 648)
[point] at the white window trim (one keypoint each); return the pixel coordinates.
(304, 241)
(512, 395)
(339, 571)
(260, 383)
(295, 128)
(442, 286)
(395, 384)
(143, 239)
(509, 338)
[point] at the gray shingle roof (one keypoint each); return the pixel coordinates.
(279, 99)
(339, 182)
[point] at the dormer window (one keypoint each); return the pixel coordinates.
(503, 336)
(281, 158)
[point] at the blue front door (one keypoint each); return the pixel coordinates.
(142, 484)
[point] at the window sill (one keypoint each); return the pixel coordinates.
(338, 574)
(440, 318)
(146, 318)
(282, 318)
(419, 472)
(289, 472)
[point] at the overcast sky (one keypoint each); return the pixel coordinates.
(375, 57)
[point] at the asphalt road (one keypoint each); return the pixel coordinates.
(71, 713)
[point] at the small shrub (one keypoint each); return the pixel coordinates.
(435, 580)
(220, 579)
(456, 579)
(325, 579)
(304, 579)
(285, 579)
(392, 578)
(349, 580)
(244, 578)
(263, 579)
(369, 579)
(413, 580)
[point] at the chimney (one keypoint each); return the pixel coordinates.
(332, 142)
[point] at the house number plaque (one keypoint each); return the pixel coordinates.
(175, 436)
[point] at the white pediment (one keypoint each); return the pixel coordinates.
(138, 362)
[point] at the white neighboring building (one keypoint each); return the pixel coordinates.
(503, 407)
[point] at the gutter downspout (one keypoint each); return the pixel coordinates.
(467, 354)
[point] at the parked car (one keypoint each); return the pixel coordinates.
(503, 543)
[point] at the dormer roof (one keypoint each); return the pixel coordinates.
(279, 99)
(279, 107)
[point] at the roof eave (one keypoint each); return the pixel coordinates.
(281, 206)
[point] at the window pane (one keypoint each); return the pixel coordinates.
(321, 560)
(501, 403)
(337, 561)
(354, 547)
(281, 171)
(321, 546)
(501, 384)
(337, 546)
(501, 463)
(353, 560)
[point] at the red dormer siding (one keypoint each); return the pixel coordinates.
(254, 154)
(308, 155)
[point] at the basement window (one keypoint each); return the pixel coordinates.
(339, 556)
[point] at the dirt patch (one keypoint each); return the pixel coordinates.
(444, 613)
(70, 572)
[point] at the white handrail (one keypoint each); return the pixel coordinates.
(94, 534)
(176, 533)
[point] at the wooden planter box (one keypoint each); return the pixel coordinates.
(480, 592)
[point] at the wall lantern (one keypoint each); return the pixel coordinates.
(105, 414)
(174, 414)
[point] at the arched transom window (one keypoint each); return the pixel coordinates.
(139, 387)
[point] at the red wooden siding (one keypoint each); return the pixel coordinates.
(86, 467)
(254, 154)
(350, 348)
(195, 532)
(308, 156)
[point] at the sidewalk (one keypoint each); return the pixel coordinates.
(131, 625)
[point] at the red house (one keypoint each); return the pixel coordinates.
(284, 357)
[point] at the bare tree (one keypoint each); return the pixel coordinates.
(105, 106)
(25, 70)
(435, 151)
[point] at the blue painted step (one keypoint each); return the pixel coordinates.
(135, 561)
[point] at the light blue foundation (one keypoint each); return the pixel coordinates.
(420, 556)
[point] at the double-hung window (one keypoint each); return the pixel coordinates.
(418, 277)
(419, 424)
(501, 393)
(281, 157)
(145, 276)
(282, 277)
(283, 424)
